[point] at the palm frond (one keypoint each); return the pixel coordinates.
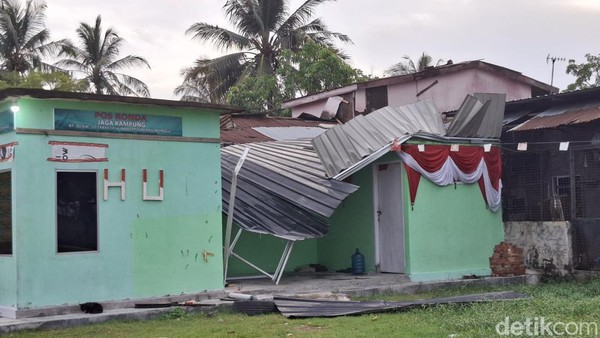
(128, 85)
(129, 61)
(271, 14)
(242, 15)
(301, 15)
(221, 37)
(193, 89)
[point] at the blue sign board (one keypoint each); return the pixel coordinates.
(121, 123)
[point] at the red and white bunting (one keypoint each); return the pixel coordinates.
(442, 166)
(77, 152)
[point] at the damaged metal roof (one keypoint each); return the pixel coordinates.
(290, 133)
(345, 149)
(567, 108)
(345, 145)
(242, 128)
(479, 116)
(282, 189)
(559, 116)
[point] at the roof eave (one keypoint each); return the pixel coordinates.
(11, 93)
(320, 96)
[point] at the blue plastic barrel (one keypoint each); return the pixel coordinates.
(358, 263)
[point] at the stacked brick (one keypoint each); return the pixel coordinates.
(507, 260)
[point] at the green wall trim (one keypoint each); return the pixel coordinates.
(448, 275)
(47, 132)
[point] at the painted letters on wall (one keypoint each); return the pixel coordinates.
(121, 123)
(77, 152)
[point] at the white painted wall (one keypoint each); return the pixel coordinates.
(447, 95)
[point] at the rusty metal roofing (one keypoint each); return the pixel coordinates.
(559, 117)
(282, 189)
(346, 145)
(241, 128)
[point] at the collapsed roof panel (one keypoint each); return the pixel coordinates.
(290, 133)
(345, 145)
(282, 189)
(479, 116)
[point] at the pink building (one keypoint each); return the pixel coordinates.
(446, 85)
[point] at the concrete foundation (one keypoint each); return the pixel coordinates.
(547, 245)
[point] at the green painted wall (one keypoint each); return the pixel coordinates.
(8, 265)
(8, 282)
(450, 232)
(265, 251)
(146, 248)
(351, 227)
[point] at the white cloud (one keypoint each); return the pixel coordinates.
(512, 33)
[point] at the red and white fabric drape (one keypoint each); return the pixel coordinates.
(442, 166)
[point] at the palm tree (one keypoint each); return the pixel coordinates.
(24, 38)
(408, 66)
(97, 58)
(195, 87)
(264, 29)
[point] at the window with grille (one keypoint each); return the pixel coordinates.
(5, 213)
(76, 211)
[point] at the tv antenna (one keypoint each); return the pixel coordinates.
(553, 59)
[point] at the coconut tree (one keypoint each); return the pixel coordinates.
(195, 86)
(408, 66)
(24, 39)
(97, 58)
(263, 28)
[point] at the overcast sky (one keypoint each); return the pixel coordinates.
(517, 34)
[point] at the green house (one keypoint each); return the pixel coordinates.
(416, 197)
(106, 198)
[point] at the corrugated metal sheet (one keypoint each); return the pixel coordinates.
(331, 107)
(282, 189)
(290, 133)
(345, 145)
(559, 116)
(479, 116)
(306, 308)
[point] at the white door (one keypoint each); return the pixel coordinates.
(390, 217)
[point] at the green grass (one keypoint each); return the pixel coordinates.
(555, 301)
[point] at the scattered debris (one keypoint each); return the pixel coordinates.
(240, 296)
(157, 305)
(311, 268)
(254, 307)
(303, 308)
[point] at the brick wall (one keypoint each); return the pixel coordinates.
(507, 260)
